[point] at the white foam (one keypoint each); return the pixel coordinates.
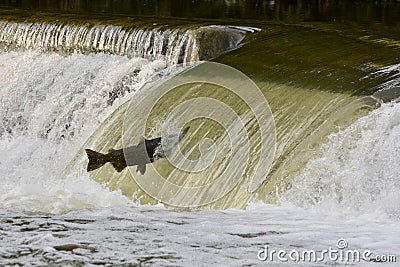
(50, 105)
(172, 45)
(358, 172)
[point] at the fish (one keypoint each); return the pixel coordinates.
(145, 152)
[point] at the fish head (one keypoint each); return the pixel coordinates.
(169, 142)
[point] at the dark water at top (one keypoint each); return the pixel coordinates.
(318, 63)
(387, 12)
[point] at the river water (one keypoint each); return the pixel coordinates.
(73, 71)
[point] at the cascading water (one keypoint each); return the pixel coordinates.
(46, 119)
(357, 172)
(51, 103)
(151, 43)
(65, 100)
(173, 45)
(65, 87)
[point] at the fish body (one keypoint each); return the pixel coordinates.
(147, 151)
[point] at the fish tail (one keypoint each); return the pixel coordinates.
(96, 159)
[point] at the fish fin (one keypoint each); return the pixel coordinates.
(117, 160)
(118, 165)
(96, 160)
(142, 140)
(141, 169)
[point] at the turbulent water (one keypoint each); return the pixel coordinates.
(53, 101)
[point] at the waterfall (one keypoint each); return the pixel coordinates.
(176, 45)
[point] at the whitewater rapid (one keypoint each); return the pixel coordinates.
(50, 110)
(51, 104)
(356, 171)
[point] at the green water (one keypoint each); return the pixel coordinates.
(309, 60)
(313, 74)
(303, 10)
